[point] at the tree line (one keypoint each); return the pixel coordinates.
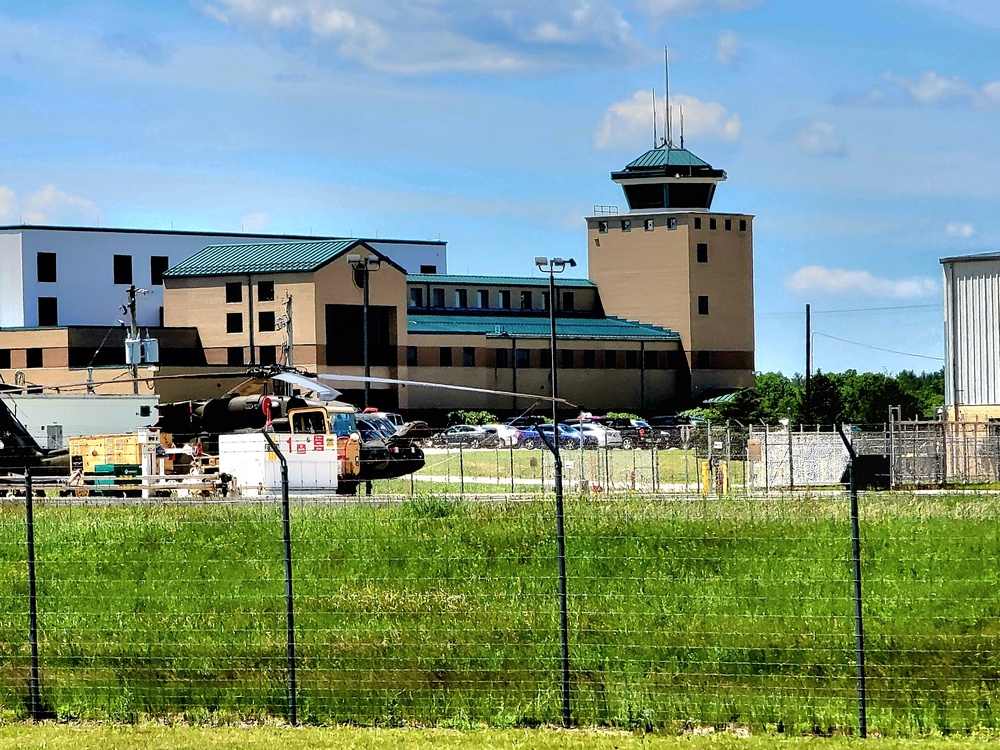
(847, 397)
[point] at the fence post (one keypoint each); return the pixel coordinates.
(289, 611)
(859, 626)
(34, 697)
(512, 467)
(461, 470)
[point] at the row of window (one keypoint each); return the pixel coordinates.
(526, 299)
(266, 322)
(266, 355)
(33, 358)
(234, 291)
(589, 359)
(47, 272)
(648, 224)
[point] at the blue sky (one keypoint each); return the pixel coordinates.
(863, 134)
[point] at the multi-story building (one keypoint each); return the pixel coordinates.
(672, 261)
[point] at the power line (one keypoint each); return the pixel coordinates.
(798, 313)
(878, 348)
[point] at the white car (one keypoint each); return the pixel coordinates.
(506, 436)
(605, 436)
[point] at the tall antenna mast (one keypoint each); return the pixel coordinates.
(655, 144)
(666, 97)
(681, 108)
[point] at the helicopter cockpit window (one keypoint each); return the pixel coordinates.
(344, 424)
(308, 422)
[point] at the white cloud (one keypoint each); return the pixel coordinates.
(477, 36)
(727, 48)
(628, 123)
(930, 89)
(50, 205)
(820, 138)
(961, 229)
(858, 283)
(690, 7)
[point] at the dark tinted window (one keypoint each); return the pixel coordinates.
(468, 356)
(713, 224)
(743, 225)
(697, 222)
(610, 359)
(411, 356)
(703, 305)
(703, 252)
(525, 300)
(589, 358)
(503, 358)
(46, 263)
(265, 291)
(48, 311)
(268, 355)
(158, 264)
(446, 356)
(438, 295)
(504, 299)
(566, 358)
(234, 291)
(4, 359)
(729, 225)
(234, 322)
(428, 269)
(234, 356)
(265, 321)
(631, 359)
(123, 269)
(34, 357)
(416, 297)
(523, 358)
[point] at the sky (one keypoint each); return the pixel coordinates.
(863, 135)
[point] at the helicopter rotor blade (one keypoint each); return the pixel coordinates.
(323, 391)
(445, 386)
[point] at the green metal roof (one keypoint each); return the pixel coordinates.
(267, 257)
(725, 398)
(537, 327)
(441, 278)
(665, 156)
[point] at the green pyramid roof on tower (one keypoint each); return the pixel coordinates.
(665, 156)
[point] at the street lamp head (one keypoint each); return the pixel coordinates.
(373, 263)
(541, 261)
(353, 258)
(559, 264)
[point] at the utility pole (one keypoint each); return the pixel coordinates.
(133, 335)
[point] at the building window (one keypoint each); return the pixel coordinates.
(610, 359)
(713, 224)
(4, 359)
(523, 357)
(265, 322)
(703, 304)
(729, 225)
(158, 265)
(411, 356)
(438, 295)
(589, 359)
(462, 298)
(504, 299)
(631, 359)
(468, 356)
(234, 356)
(703, 360)
(544, 359)
(446, 356)
(416, 297)
(569, 301)
(268, 355)
(743, 225)
(545, 300)
(626, 225)
(566, 358)
(484, 298)
(123, 269)
(161, 316)
(234, 291)
(234, 322)
(651, 360)
(648, 225)
(46, 267)
(428, 269)
(703, 252)
(503, 358)
(697, 222)
(48, 311)
(525, 300)
(672, 222)
(265, 291)
(602, 227)
(33, 358)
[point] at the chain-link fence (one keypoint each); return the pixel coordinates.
(685, 610)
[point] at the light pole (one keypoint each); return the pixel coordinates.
(362, 268)
(552, 267)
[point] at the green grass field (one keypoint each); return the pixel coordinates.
(682, 613)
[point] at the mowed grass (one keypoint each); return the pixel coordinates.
(157, 737)
(682, 613)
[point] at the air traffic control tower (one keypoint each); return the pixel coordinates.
(674, 262)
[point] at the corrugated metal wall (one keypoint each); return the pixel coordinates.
(972, 332)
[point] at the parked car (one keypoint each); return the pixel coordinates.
(607, 437)
(671, 428)
(522, 423)
(466, 435)
(635, 432)
(568, 437)
(501, 435)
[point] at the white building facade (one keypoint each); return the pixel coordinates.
(972, 336)
(58, 276)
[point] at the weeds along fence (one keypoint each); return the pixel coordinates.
(684, 611)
